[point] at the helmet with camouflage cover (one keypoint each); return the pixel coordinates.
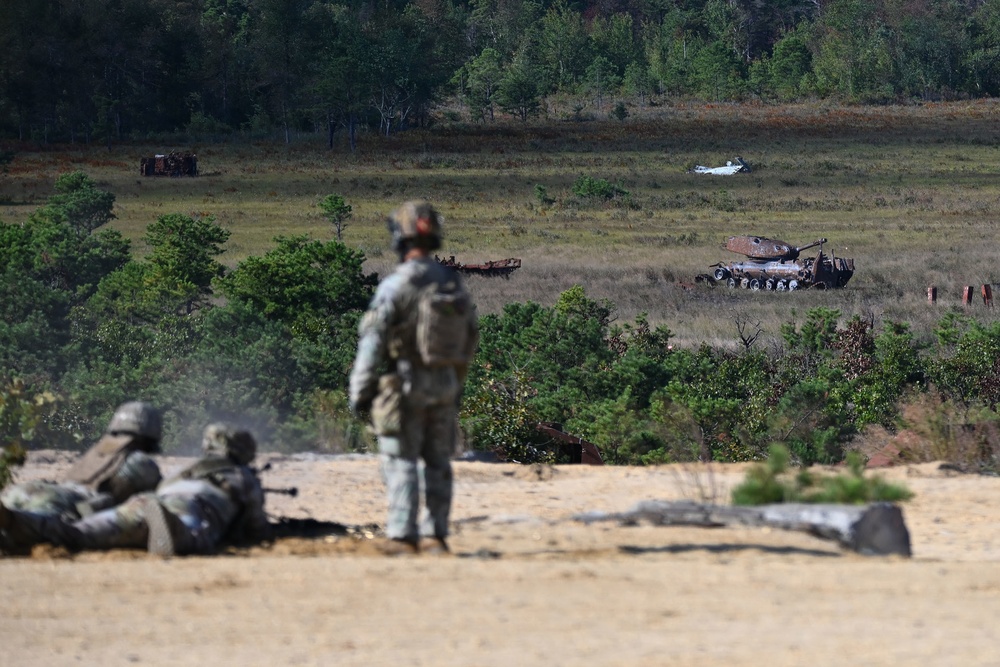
(415, 224)
(137, 473)
(226, 440)
(137, 418)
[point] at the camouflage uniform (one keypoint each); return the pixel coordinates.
(413, 405)
(110, 472)
(217, 498)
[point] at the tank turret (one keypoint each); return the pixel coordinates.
(775, 265)
(759, 247)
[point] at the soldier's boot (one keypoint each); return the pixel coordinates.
(398, 547)
(7, 546)
(434, 546)
(19, 531)
(168, 536)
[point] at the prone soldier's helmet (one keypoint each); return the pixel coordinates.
(137, 418)
(415, 224)
(228, 441)
(137, 473)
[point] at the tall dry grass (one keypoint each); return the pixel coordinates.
(911, 193)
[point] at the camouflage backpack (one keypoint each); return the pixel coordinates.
(443, 311)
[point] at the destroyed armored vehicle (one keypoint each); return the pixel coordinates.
(775, 265)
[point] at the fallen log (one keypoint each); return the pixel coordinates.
(875, 529)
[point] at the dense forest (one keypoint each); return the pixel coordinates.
(113, 70)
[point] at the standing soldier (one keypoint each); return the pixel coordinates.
(415, 345)
(117, 467)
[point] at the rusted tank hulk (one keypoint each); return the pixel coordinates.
(775, 265)
(171, 164)
(500, 267)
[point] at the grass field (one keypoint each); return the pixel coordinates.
(911, 193)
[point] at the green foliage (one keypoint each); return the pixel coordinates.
(597, 188)
(183, 253)
(80, 204)
(11, 456)
(812, 420)
(481, 79)
(771, 482)
(542, 195)
(626, 434)
(275, 337)
(601, 78)
(620, 112)
(316, 291)
(313, 65)
(716, 73)
(817, 335)
(24, 424)
(48, 249)
(969, 368)
(519, 93)
(337, 211)
(897, 367)
(498, 417)
(302, 282)
(637, 81)
(762, 485)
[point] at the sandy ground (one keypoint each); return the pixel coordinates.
(526, 585)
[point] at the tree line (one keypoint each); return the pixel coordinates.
(269, 344)
(110, 70)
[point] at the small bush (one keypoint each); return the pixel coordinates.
(10, 456)
(770, 482)
(597, 188)
(542, 195)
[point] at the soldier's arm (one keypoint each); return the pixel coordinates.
(94, 504)
(373, 342)
(253, 524)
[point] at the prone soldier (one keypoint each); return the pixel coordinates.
(217, 498)
(116, 468)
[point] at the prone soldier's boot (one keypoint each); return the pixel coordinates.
(168, 536)
(19, 531)
(6, 546)
(5, 517)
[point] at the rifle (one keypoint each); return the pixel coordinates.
(281, 491)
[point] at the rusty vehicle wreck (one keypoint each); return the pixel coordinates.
(771, 264)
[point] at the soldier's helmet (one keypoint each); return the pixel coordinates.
(226, 440)
(415, 223)
(138, 473)
(137, 418)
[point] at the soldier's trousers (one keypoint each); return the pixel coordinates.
(427, 437)
(124, 526)
(194, 531)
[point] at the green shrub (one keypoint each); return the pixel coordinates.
(597, 188)
(771, 482)
(542, 195)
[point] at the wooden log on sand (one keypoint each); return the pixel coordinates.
(875, 529)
